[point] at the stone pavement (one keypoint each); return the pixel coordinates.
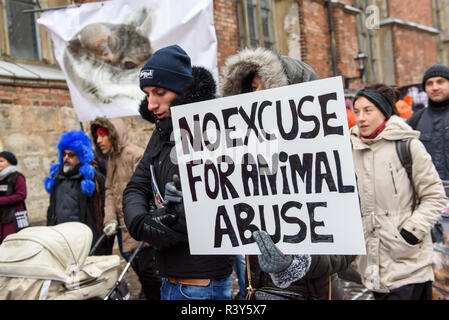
(355, 291)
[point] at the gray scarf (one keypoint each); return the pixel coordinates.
(7, 171)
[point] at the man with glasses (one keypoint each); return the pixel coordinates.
(76, 186)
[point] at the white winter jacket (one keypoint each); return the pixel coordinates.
(386, 199)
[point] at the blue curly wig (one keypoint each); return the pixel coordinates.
(80, 143)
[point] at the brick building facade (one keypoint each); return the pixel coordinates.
(399, 42)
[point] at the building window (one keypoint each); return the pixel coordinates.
(21, 38)
(21, 33)
(256, 23)
(26, 51)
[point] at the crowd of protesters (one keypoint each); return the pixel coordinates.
(122, 191)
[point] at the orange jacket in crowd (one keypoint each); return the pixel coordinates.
(404, 107)
(351, 117)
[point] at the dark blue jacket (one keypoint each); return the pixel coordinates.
(69, 203)
(433, 123)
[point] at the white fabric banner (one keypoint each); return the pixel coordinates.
(102, 46)
(278, 160)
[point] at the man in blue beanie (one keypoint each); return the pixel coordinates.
(152, 200)
(76, 187)
(433, 121)
(168, 68)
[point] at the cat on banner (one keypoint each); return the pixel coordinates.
(102, 46)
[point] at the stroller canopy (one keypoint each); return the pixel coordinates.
(54, 253)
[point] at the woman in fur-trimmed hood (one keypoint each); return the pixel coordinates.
(273, 71)
(76, 192)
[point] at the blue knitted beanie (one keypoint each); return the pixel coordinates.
(167, 68)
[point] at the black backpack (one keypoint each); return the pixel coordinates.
(403, 150)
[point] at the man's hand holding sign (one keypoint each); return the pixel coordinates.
(277, 160)
(172, 200)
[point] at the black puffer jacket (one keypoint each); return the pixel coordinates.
(173, 258)
(69, 203)
(433, 122)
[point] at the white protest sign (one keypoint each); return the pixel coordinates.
(278, 160)
(101, 47)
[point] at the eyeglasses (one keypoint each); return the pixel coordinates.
(70, 154)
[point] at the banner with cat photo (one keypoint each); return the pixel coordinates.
(102, 46)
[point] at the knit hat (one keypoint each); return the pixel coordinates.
(80, 143)
(167, 68)
(437, 70)
(378, 99)
(9, 156)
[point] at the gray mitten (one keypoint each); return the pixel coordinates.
(271, 260)
(283, 269)
(297, 270)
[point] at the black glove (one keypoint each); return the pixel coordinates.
(156, 230)
(179, 224)
(271, 260)
(162, 215)
(173, 217)
(409, 237)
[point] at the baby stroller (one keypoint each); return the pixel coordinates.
(52, 263)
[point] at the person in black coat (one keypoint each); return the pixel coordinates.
(76, 187)
(310, 276)
(433, 121)
(169, 80)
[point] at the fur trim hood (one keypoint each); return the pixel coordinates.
(202, 88)
(79, 142)
(274, 70)
(117, 134)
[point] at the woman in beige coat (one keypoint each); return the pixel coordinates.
(122, 157)
(398, 263)
(121, 160)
